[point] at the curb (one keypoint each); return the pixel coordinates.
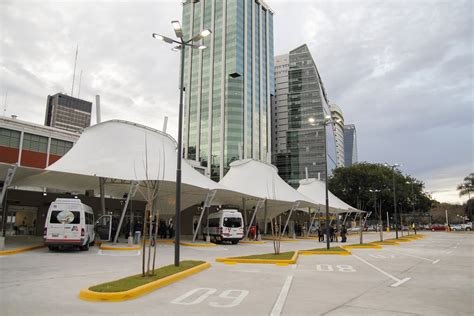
(88, 295)
(18, 250)
(196, 245)
(385, 243)
(362, 247)
(105, 247)
(401, 240)
(283, 240)
(252, 242)
(262, 261)
(315, 252)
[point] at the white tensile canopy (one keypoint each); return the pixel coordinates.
(316, 190)
(123, 152)
(261, 180)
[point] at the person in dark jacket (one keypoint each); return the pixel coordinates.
(320, 234)
(343, 233)
(331, 233)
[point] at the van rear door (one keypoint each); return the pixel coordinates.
(232, 226)
(64, 224)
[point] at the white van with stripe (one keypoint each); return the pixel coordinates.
(226, 225)
(69, 223)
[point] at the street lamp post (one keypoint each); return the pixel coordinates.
(182, 44)
(327, 120)
(394, 166)
(374, 191)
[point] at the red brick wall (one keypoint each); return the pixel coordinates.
(33, 159)
(53, 159)
(8, 155)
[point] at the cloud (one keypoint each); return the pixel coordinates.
(400, 70)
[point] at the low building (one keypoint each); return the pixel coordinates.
(33, 145)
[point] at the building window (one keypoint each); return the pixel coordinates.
(35, 143)
(9, 138)
(59, 147)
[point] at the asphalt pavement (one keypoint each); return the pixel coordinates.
(430, 276)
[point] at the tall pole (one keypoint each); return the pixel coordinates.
(395, 203)
(328, 245)
(178, 164)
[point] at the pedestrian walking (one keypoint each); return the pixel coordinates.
(343, 233)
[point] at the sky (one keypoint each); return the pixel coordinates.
(401, 71)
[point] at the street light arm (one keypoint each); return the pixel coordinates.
(164, 38)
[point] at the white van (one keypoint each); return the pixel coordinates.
(69, 223)
(226, 225)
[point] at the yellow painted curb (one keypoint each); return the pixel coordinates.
(104, 247)
(282, 240)
(18, 250)
(196, 245)
(361, 247)
(401, 240)
(315, 252)
(89, 295)
(262, 261)
(252, 242)
(384, 243)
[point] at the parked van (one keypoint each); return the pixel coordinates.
(69, 223)
(226, 225)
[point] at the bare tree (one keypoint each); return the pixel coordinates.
(276, 234)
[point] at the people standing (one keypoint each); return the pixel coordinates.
(343, 233)
(320, 234)
(170, 228)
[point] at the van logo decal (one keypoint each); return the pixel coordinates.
(65, 217)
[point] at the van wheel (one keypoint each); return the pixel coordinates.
(52, 248)
(86, 246)
(235, 242)
(468, 229)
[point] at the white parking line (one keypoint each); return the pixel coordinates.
(409, 255)
(398, 282)
(277, 308)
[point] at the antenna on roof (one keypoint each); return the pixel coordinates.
(5, 103)
(80, 80)
(306, 172)
(165, 124)
(74, 72)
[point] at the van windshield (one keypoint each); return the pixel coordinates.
(232, 222)
(54, 217)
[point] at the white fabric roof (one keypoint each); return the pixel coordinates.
(122, 151)
(261, 180)
(316, 190)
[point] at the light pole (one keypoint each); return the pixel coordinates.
(327, 120)
(374, 191)
(394, 166)
(182, 44)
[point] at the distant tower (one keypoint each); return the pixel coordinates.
(350, 145)
(338, 126)
(67, 113)
(299, 107)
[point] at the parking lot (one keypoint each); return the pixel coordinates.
(430, 276)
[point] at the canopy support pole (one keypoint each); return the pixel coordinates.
(312, 222)
(6, 183)
(297, 203)
(207, 204)
(265, 218)
(259, 204)
(345, 218)
(131, 193)
(362, 225)
(102, 194)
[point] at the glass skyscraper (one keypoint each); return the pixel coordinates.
(299, 108)
(229, 85)
(350, 145)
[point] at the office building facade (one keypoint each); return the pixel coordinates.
(229, 85)
(350, 145)
(299, 107)
(338, 127)
(67, 113)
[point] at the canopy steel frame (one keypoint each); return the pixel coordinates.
(131, 193)
(295, 206)
(207, 203)
(260, 203)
